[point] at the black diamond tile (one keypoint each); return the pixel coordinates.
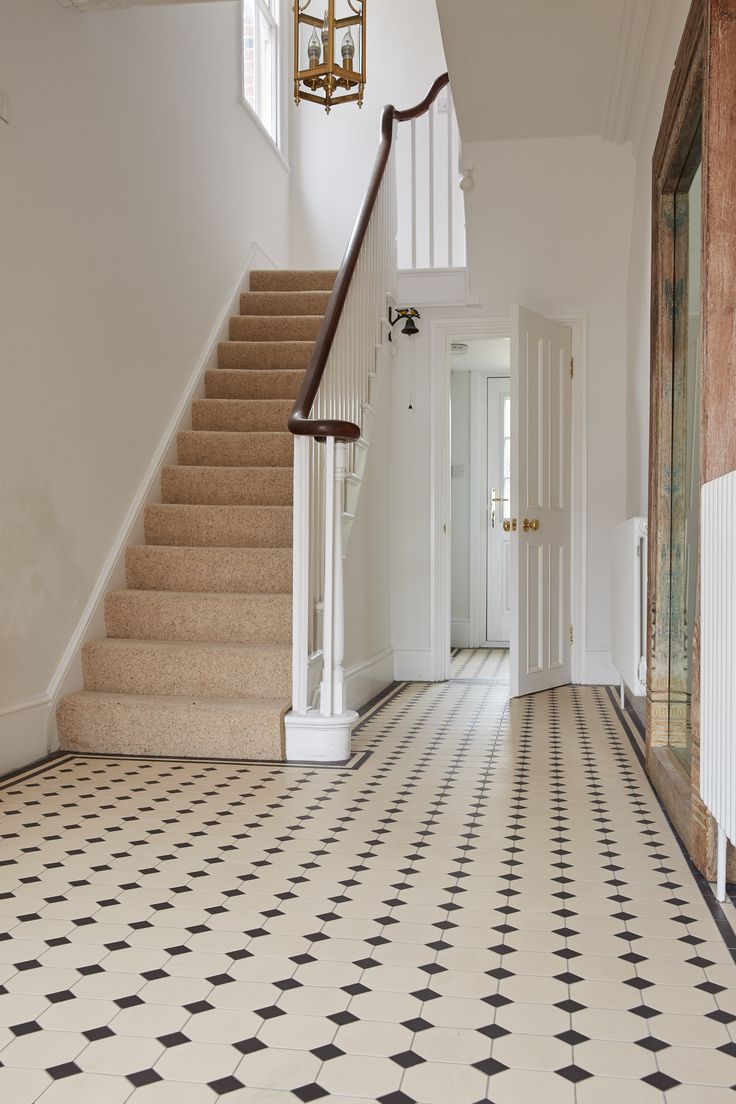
(310, 1092)
(175, 1039)
(249, 1046)
(342, 1018)
(417, 1024)
(25, 1028)
(328, 1052)
(67, 1069)
(269, 1013)
(144, 1077)
(661, 1081)
(493, 1031)
(574, 1073)
(407, 1058)
(225, 1085)
(574, 1038)
(650, 1042)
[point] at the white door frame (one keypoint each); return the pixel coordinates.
(443, 332)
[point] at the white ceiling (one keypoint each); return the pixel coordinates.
(492, 353)
(545, 68)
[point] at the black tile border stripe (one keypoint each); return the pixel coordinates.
(725, 927)
(356, 761)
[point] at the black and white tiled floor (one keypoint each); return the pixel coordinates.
(489, 907)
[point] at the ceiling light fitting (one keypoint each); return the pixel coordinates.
(319, 76)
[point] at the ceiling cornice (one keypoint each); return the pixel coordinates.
(632, 34)
(111, 5)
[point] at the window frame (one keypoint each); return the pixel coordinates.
(272, 11)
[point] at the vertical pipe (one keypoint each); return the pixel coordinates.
(721, 866)
(301, 573)
(338, 643)
(328, 618)
(450, 191)
(414, 193)
(430, 143)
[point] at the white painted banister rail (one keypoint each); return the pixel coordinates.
(331, 421)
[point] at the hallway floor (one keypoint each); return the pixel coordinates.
(487, 904)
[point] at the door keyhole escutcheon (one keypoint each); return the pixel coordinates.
(530, 523)
(509, 526)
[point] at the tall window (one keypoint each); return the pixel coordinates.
(261, 61)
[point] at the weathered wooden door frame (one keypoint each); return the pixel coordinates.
(703, 87)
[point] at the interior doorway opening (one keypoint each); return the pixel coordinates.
(480, 450)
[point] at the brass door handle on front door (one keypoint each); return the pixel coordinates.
(528, 524)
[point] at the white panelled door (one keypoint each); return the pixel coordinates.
(541, 407)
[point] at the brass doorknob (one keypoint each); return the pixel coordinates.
(528, 524)
(507, 527)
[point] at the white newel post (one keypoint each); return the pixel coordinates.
(319, 734)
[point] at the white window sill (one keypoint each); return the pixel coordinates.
(274, 145)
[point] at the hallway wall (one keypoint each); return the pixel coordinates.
(132, 184)
(548, 226)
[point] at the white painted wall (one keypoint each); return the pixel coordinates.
(132, 184)
(638, 295)
(548, 226)
(333, 154)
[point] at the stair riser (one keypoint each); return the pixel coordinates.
(297, 280)
(242, 415)
(229, 570)
(222, 384)
(222, 619)
(219, 526)
(190, 670)
(208, 448)
(244, 327)
(284, 302)
(227, 486)
(131, 726)
(281, 355)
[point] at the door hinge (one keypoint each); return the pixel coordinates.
(571, 635)
(572, 368)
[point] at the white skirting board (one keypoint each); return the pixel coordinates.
(413, 663)
(23, 733)
(36, 727)
(366, 679)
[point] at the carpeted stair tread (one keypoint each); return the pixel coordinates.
(271, 383)
(242, 415)
(284, 355)
(234, 449)
(201, 669)
(271, 327)
(223, 486)
(292, 280)
(138, 724)
(230, 570)
(197, 660)
(218, 526)
(287, 303)
(223, 618)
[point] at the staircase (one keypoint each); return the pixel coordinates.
(198, 656)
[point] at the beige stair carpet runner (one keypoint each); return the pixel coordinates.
(197, 660)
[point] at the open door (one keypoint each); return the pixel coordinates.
(541, 405)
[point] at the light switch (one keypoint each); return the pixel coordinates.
(4, 105)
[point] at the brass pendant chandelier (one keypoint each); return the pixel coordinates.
(318, 76)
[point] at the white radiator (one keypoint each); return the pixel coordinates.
(628, 605)
(718, 660)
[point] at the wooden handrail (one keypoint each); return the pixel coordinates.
(299, 421)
